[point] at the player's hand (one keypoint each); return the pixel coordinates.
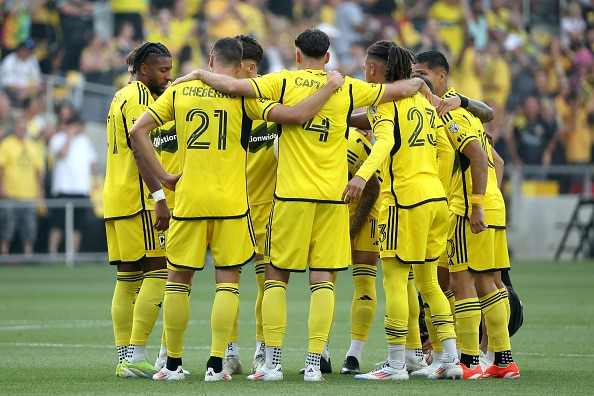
(191, 76)
(335, 79)
(162, 215)
(353, 189)
(477, 220)
(426, 91)
(448, 104)
(170, 180)
(489, 137)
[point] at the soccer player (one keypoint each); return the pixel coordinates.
(413, 218)
(261, 174)
(476, 242)
(136, 215)
(311, 169)
(215, 131)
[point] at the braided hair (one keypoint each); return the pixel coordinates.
(146, 51)
(398, 60)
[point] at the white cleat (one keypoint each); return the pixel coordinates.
(384, 372)
(211, 376)
(266, 374)
(167, 375)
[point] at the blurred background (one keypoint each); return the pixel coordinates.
(532, 61)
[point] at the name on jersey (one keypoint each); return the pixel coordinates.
(263, 138)
(204, 92)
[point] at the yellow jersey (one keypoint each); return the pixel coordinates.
(311, 165)
(261, 162)
(213, 130)
(124, 192)
(406, 152)
(462, 127)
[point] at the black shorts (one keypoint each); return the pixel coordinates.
(81, 213)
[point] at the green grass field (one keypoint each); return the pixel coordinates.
(56, 337)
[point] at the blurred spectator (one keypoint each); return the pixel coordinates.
(281, 8)
(450, 16)
(355, 68)
(76, 22)
(468, 69)
(432, 40)
(350, 21)
(96, 61)
(497, 76)
(74, 171)
(588, 13)
(122, 43)
(16, 24)
(253, 15)
(21, 182)
(224, 19)
(573, 25)
(131, 11)
(5, 112)
(498, 19)
(21, 77)
(416, 12)
(333, 63)
(476, 23)
(522, 67)
(532, 142)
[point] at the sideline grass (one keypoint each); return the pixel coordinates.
(56, 337)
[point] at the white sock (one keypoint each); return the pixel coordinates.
(232, 350)
(136, 353)
(396, 356)
(273, 356)
(356, 349)
(260, 349)
(449, 350)
(490, 355)
(326, 352)
(414, 355)
(437, 359)
(163, 352)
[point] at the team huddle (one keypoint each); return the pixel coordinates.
(284, 170)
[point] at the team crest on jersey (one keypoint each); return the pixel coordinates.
(162, 241)
(453, 127)
(373, 110)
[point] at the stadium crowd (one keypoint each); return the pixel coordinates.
(538, 79)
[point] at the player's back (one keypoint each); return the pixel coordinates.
(311, 156)
(410, 174)
(124, 190)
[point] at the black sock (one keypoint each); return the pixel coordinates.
(173, 363)
(502, 359)
(216, 363)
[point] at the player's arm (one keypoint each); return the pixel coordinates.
(359, 121)
(365, 204)
(140, 138)
(475, 107)
(220, 82)
(478, 173)
(307, 108)
(403, 89)
(383, 129)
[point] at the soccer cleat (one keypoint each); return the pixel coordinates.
(142, 369)
(258, 362)
(468, 373)
(350, 366)
(509, 371)
(161, 362)
(384, 372)
(312, 374)
(266, 374)
(122, 372)
(425, 371)
(415, 364)
(484, 361)
(447, 371)
(325, 366)
(232, 365)
(212, 376)
(167, 375)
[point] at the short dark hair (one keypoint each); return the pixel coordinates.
(314, 43)
(146, 51)
(398, 60)
(251, 48)
(427, 81)
(434, 60)
(228, 51)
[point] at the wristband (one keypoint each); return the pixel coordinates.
(463, 101)
(477, 199)
(158, 195)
